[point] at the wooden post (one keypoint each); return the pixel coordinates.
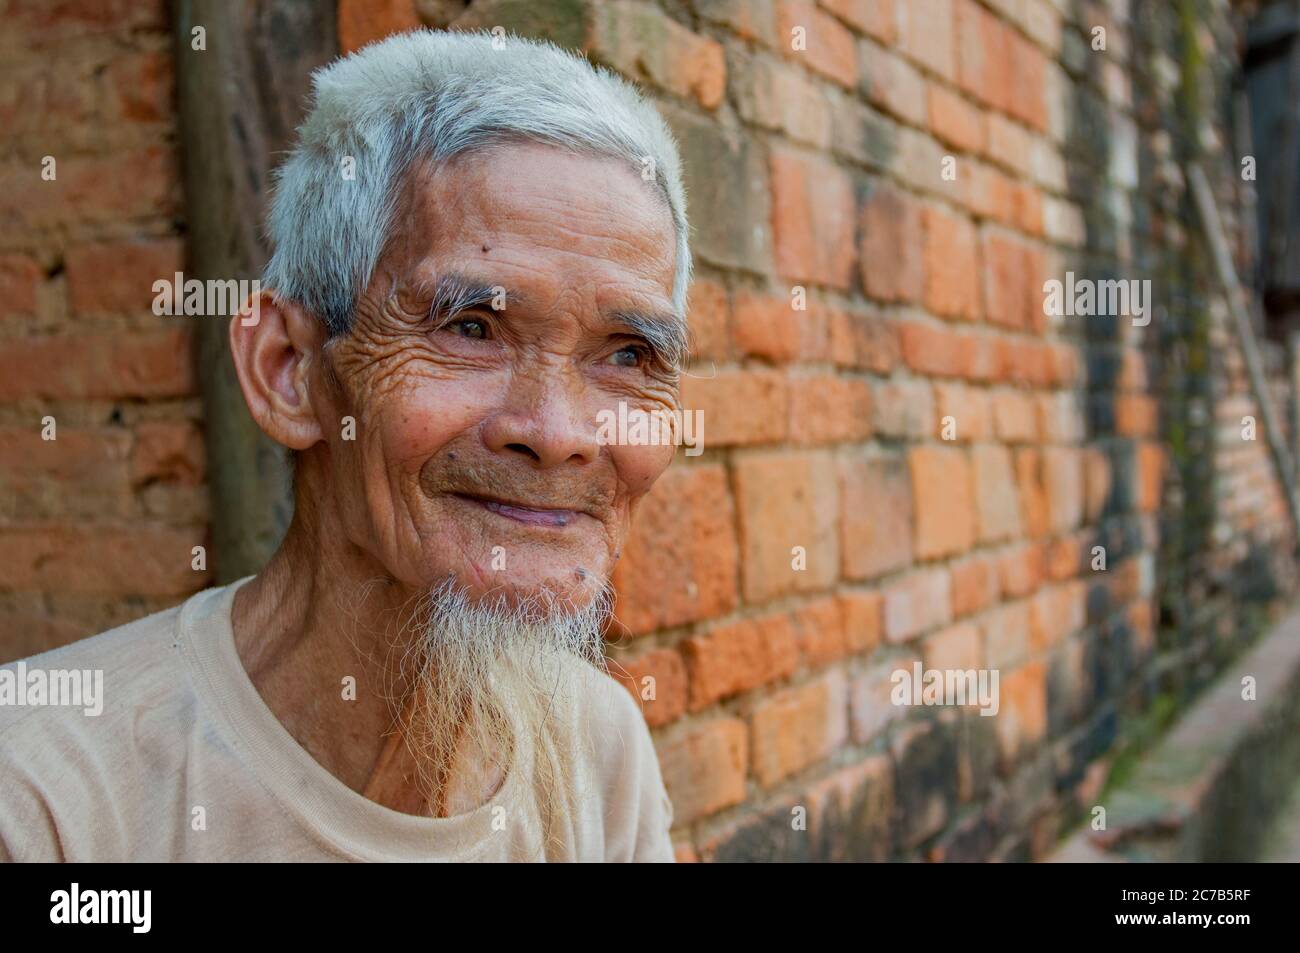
(243, 71)
(1232, 290)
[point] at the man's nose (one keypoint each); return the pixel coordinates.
(542, 421)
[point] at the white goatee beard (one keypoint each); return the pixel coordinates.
(495, 686)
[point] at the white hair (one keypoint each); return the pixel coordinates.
(435, 95)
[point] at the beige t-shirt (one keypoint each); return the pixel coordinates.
(187, 763)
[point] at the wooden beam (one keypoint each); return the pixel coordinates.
(1232, 290)
(240, 97)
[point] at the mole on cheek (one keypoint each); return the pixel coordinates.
(486, 249)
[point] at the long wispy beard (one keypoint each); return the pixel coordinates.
(492, 686)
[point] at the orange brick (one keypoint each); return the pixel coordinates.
(1150, 476)
(825, 408)
(1006, 635)
(828, 48)
(675, 60)
(365, 21)
(735, 658)
(1012, 296)
(1022, 719)
(917, 602)
(812, 219)
(739, 407)
(167, 452)
(767, 326)
(704, 770)
(1033, 496)
(667, 577)
(864, 620)
(954, 647)
(819, 629)
(952, 278)
(925, 33)
(799, 727)
(970, 409)
(710, 321)
(892, 245)
(943, 502)
(1021, 569)
(983, 55)
(139, 560)
(1015, 417)
(955, 121)
(876, 531)
(1063, 481)
(657, 680)
(975, 585)
(128, 364)
(934, 349)
(119, 276)
(875, 18)
(19, 278)
(787, 500)
(996, 504)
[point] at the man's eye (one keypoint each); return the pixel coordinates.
(630, 356)
(469, 328)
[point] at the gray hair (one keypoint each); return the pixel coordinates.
(434, 95)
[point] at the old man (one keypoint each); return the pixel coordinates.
(478, 252)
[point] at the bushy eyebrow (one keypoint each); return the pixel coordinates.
(454, 293)
(665, 332)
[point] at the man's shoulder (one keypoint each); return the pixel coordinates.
(100, 679)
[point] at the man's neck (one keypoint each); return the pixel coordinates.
(320, 632)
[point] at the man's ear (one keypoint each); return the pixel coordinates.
(275, 345)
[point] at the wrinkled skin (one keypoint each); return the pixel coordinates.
(503, 404)
(450, 416)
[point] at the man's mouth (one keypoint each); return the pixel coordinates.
(529, 515)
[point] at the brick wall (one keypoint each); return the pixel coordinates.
(96, 525)
(907, 459)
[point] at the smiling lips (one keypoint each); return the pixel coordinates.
(529, 515)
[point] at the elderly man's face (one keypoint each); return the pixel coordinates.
(476, 454)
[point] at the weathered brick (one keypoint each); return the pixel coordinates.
(863, 614)
(952, 277)
(798, 727)
(657, 680)
(812, 219)
(739, 407)
(144, 560)
(876, 530)
(642, 42)
(787, 500)
(943, 501)
(667, 577)
(996, 504)
(875, 18)
(119, 276)
(20, 276)
(892, 251)
(955, 121)
(925, 33)
(704, 769)
(136, 364)
(819, 41)
(916, 603)
(975, 585)
(827, 408)
(734, 658)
